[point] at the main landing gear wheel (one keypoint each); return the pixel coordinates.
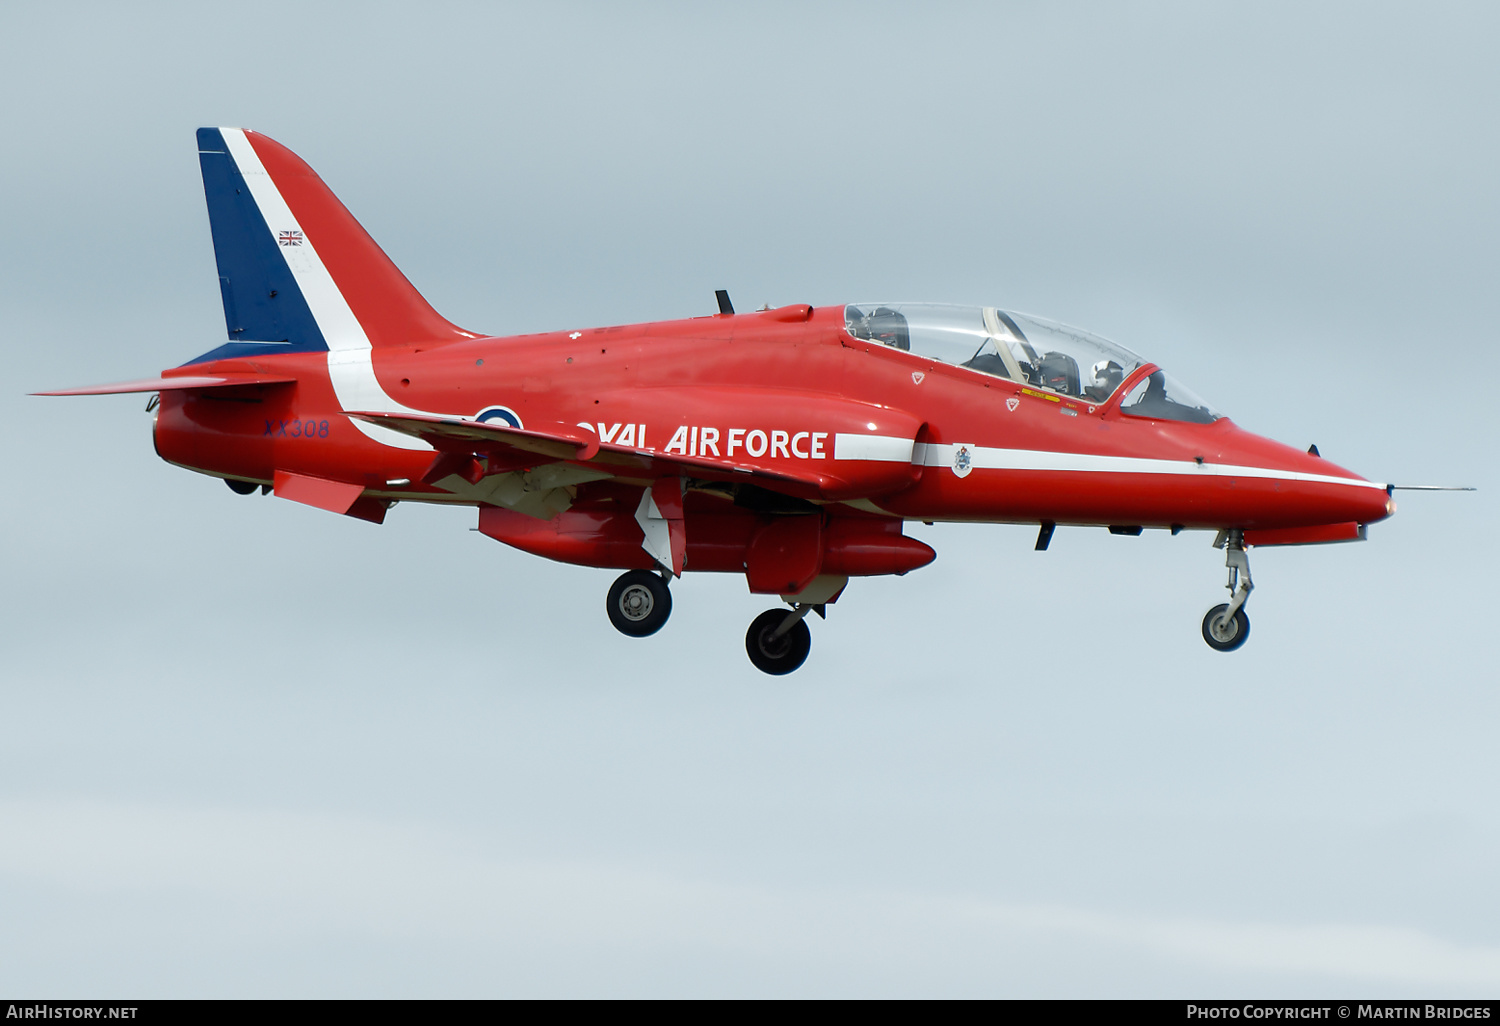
(639, 603)
(775, 645)
(1225, 631)
(1226, 627)
(241, 487)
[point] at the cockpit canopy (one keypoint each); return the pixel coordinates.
(1025, 349)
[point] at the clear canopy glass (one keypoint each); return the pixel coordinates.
(1026, 349)
(1159, 396)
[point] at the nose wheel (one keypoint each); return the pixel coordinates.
(639, 603)
(1225, 626)
(1223, 630)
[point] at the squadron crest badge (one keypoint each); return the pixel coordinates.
(963, 461)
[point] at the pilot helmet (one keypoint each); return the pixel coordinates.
(1108, 375)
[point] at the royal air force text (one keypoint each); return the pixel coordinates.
(691, 440)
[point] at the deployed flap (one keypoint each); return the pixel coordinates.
(448, 434)
(226, 379)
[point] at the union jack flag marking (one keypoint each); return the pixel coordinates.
(290, 238)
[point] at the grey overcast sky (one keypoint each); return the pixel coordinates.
(250, 748)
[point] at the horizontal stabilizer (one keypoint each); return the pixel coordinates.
(183, 381)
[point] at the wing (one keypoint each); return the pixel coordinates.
(515, 448)
(451, 435)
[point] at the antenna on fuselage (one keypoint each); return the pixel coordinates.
(725, 306)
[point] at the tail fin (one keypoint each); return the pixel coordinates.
(298, 273)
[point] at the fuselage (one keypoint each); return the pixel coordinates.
(788, 390)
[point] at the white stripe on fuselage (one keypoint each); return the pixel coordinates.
(880, 448)
(983, 457)
(893, 449)
(349, 366)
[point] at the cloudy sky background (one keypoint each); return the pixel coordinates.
(250, 748)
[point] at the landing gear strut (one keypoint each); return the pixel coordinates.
(639, 603)
(778, 641)
(1226, 627)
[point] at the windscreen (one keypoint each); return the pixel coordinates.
(1160, 397)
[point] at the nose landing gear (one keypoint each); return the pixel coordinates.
(639, 603)
(1226, 627)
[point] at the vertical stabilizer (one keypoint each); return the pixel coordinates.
(297, 272)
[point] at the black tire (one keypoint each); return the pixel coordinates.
(639, 603)
(782, 655)
(1222, 636)
(241, 487)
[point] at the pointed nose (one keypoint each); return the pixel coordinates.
(1307, 489)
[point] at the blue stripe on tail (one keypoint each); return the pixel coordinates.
(263, 308)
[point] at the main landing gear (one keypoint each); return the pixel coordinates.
(239, 487)
(639, 603)
(1226, 627)
(778, 641)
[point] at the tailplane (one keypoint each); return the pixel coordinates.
(297, 272)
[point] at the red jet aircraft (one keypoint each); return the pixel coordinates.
(788, 445)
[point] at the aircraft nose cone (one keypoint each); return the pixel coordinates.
(1311, 490)
(1386, 504)
(1357, 499)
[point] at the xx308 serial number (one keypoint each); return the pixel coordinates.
(296, 429)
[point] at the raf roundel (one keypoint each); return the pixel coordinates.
(504, 414)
